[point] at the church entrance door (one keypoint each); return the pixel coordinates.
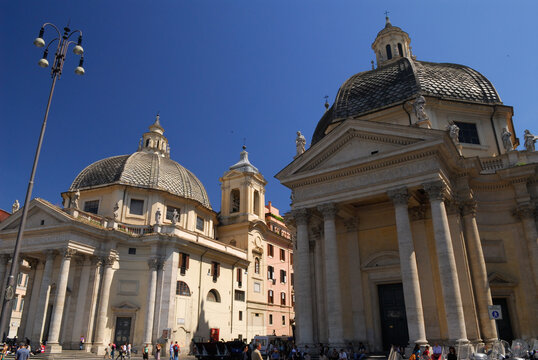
(122, 333)
(504, 326)
(393, 317)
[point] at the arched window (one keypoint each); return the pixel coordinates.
(256, 202)
(213, 296)
(147, 143)
(182, 289)
(234, 201)
(400, 49)
(257, 265)
(389, 52)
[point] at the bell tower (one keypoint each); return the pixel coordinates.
(391, 43)
(154, 141)
(243, 192)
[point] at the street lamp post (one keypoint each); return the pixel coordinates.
(59, 59)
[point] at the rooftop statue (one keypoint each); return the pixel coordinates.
(15, 207)
(454, 132)
(507, 140)
(530, 139)
(419, 106)
(300, 143)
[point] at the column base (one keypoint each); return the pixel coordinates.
(53, 348)
(99, 349)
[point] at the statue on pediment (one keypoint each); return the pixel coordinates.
(530, 139)
(454, 132)
(300, 143)
(74, 200)
(15, 207)
(419, 106)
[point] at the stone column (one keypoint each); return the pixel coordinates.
(332, 276)
(59, 303)
(44, 291)
(28, 299)
(527, 214)
(355, 279)
(154, 265)
(447, 263)
(30, 310)
(318, 267)
(4, 259)
(303, 291)
(408, 268)
(482, 291)
(102, 312)
(79, 321)
(96, 264)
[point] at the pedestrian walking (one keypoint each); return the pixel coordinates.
(256, 354)
(145, 352)
(107, 353)
(158, 352)
(176, 351)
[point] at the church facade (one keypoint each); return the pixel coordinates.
(414, 212)
(137, 255)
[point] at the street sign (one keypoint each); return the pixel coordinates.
(495, 312)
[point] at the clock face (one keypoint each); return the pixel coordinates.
(258, 241)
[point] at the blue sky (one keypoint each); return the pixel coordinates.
(221, 71)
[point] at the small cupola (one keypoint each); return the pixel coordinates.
(154, 141)
(391, 43)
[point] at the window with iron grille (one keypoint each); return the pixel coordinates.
(468, 133)
(199, 223)
(182, 289)
(91, 206)
(239, 295)
(136, 207)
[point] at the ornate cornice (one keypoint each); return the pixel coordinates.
(361, 169)
(436, 190)
(328, 210)
(399, 196)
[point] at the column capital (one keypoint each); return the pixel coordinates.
(351, 224)
(328, 210)
(453, 207)
(301, 216)
(436, 190)
(68, 253)
(399, 196)
(468, 207)
(525, 211)
(417, 212)
(155, 263)
(108, 260)
(50, 254)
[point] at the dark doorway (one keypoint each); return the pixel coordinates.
(122, 333)
(393, 317)
(504, 326)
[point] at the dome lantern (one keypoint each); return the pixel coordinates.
(154, 141)
(391, 43)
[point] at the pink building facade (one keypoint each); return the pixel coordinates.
(279, 259)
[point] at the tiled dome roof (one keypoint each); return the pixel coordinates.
(401, 80)
(143, 169)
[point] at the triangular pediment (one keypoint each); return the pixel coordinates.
(357, 142)
(41, 213)
(496, 279)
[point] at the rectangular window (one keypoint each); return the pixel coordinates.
(291, 258)
(282, 255)
(170, 212)
(270, 297)
(291, 279)
(270, 273)
(239, 277)
(22, 304)
(283, 320)
(282, 298)
(132, 251)
(239, 295)
(183, 263)
(199, 223)
(215, 270)
(257, 287)
(283, 276)
(293, 300)
(270, 250)
(270, 319)
(15, 303)
(91, 206)
(136, 207)
(240, 319)
(19, 279)
(468, 133)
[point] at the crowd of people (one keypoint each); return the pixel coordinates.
(21, 350)
(287, 350)
(425, 353)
